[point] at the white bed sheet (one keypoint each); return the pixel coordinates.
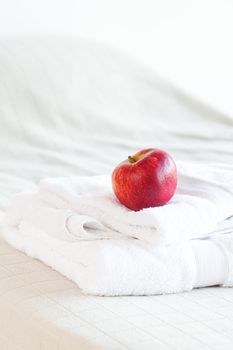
(70, 107)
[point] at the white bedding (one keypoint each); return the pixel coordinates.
(69, 107)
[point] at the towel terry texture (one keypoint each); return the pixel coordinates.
(78, 227)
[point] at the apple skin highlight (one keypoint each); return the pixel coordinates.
(146, 179)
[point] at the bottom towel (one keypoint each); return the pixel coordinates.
(130, 267)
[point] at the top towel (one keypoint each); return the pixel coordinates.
(89, 209)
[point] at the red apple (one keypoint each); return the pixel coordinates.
(147, 179)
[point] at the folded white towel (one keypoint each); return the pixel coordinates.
(85, 208)
(204, 197)
(129, 267)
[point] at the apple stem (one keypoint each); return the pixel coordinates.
(131, 159)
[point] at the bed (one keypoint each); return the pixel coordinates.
(73, 107)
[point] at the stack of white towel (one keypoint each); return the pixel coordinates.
(77, 226)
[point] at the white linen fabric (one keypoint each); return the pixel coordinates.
(72, 107)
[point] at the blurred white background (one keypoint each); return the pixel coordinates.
(187, 41)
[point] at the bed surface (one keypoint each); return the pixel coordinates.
(69, 107)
